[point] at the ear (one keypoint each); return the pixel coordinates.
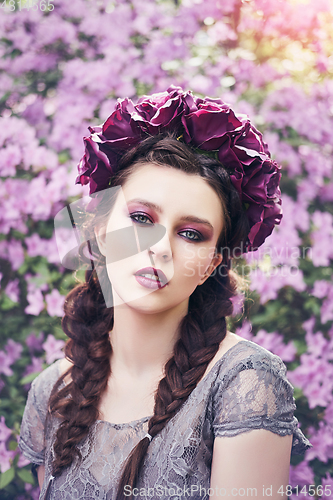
(100, 234)
(216, 261)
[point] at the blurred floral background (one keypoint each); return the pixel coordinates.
(63, 64)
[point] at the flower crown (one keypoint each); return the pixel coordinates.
(206, 124)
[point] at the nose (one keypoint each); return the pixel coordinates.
(162, 249)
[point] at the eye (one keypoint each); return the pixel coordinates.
(141, 218)
(192, 235)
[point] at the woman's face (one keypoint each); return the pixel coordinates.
(164, 274)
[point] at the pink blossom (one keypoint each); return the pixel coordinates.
(52, 348)
(245, 330)
(238, 303)
(54, 303)
(12, 290)
(13, 350)
(301, 474)
(274, 342)
(322, 441)
(6, 457)
(309, 324)
(328, 415)
(268, 284)
(326, 310)
(34, 343)
(36, 366)
(36, 303)
(10, 158)
(315, 377)
(12, 251)
(4, 431)
(22, 461)
(5, 363)
(321, 288)
(322, 237)
(266, 288)
(317, 344)
(37, 246)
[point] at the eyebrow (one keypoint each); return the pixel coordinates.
(185, 218)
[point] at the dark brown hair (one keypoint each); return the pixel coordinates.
(87, 321)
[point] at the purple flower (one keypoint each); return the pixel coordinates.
(6, 457)
(310, 376)
(211, 125)
(36, 302)
(273, 342)
(34, 343)
(54, 303)
(245, 330)
(301, 474)
(13, 291)
(36, 366)
(237, 302)
(22, 461)
(4, 431)
(161, 111)
(5, 363)
(14, 350)
(321, 288)
(322, 441)
(53, 349)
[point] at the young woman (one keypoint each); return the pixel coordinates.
(155, 398)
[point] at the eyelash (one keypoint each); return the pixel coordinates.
(139, 214)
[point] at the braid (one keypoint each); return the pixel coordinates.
(193, 351)
(87, 323)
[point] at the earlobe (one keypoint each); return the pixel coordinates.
(216, 261)
(100, 235)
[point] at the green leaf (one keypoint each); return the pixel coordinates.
(29, 378)
(6, 477)
(7, 303)
(26, 476)
(13, 445)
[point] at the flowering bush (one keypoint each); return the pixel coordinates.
(63, 70)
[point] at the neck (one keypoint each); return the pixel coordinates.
(143, 343)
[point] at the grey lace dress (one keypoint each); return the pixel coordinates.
(246, 389)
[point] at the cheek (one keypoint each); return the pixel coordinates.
(196, 261)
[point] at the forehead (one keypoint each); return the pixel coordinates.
(175, 191)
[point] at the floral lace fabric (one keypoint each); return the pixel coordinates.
(246, 389)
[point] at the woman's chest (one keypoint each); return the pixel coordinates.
(125, 402)
(178, 456)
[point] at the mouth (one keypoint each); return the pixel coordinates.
(149, 277)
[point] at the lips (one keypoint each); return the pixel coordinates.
(151, 277)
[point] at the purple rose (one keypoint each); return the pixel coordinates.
(207, 128)
(160, 110)
(256, 178)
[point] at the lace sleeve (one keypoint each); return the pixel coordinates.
(255, 394)
(31, 441)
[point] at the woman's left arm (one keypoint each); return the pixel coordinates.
(251, 464)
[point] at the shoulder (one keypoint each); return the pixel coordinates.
(246, 364)
(236, 354)
(45, 381)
